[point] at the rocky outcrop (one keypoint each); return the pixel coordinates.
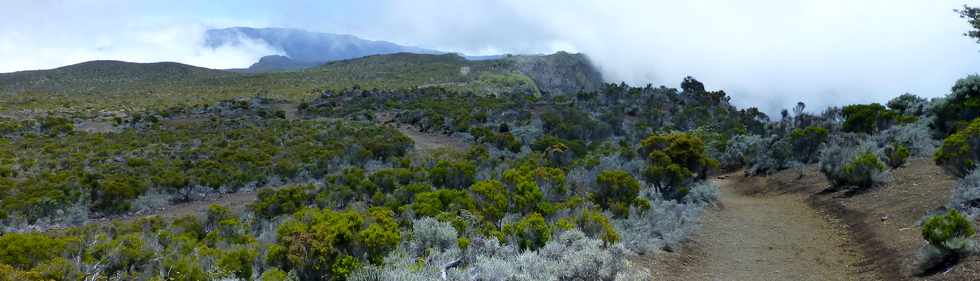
(560, 73)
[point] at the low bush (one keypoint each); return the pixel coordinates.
(286, 200)
(572, 256)
(960, 152)
(960, 107)
(867, 118)
(852, 164)
(966, 195)
(664, 226)
(617, 191)
(950, 238)
(896, 155)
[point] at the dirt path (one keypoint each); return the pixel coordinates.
(776, 237)
(430, 142)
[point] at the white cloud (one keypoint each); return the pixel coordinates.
(766, 53)
(48, 34)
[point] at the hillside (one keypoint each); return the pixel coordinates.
(110, 85)
(97, 75)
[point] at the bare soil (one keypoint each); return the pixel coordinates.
(425, 142)
(789, 226)
(883, 221)
(762, 237)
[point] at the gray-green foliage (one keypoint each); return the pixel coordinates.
(850, 161)
(966, 195)
(666, 224)
(572, 256)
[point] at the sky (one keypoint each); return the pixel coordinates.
(765, 53)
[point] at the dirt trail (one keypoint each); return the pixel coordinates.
(430, 142)
(774, 237)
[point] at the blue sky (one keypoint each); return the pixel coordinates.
(766, 53)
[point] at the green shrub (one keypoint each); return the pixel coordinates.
(806, 142)
(26, 250)
(431, 204)
(896, 155)
(287, 200)
(862, 169)
(273, 274)
(852, 164)
(674, 160)
(941, 230)
(531, 232)
(491, 199)
(960, 107)
(453, 174)
(596, 224)
(959, 153)
(238, 261)
(617, 190)
(867, 118)
(950, 238)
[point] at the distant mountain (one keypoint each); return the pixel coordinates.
(302, 49)
(102, 74)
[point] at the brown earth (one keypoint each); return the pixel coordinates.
(770, 228)
(762, 237)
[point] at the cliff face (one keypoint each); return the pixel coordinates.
(560, 73)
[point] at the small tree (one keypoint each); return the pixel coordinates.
(806, 142)
(491, 199)
(675, 160)
(867, 118)
(617, 191)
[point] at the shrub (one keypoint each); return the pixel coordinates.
(327, 243)
(273, 274)
(960, 107)
(617, 191)
(704, 192)
(849, 163)
(806, 142)
(286, 200)
(742, 151)
(917, 137)
(950, 237)
(491, 199)
(908, 104)
(26, 250)
(862, 169)
(896, 155)
(966, 195)
(530, 233)
(572, 256)
(960, 152)
(777, 156)
(433, 203)
(597, 225)
(664, 226)
(867, 118)
(674, 160)
(429, 233)
(453, 174)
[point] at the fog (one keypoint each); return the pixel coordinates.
(765, 53)
(48, 34)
